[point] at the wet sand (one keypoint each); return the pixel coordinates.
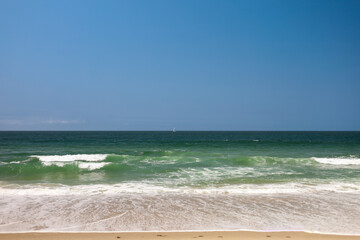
(231, 235)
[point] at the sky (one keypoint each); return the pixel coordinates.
(189, 65)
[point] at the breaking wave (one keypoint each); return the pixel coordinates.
(86, 161)
(338, 161)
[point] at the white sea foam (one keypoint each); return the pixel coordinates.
(85, 165)
(71, 158)
(86, 161)
(338, 161)
(152, 189)
(92, 166)
(104, 208)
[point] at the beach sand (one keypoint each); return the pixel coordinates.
(173, 235)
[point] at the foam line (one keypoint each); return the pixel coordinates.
(338, 161)
(71, 158)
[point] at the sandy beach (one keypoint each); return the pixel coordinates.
(173, 235)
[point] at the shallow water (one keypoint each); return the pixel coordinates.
(142, 181)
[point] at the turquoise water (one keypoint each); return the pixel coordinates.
(179, 159)
(189, 172)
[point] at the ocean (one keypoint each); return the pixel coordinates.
(179, 181)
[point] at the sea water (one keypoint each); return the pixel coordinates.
(176, 181)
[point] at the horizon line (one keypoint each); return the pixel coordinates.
(180, 130)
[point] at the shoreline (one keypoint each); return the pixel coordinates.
(205, 235)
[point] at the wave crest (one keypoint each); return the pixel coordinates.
(71, 158)
(86, 161)
(338, 161)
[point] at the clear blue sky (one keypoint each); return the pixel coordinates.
(193, 65)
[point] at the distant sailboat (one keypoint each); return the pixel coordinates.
(174, 130)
